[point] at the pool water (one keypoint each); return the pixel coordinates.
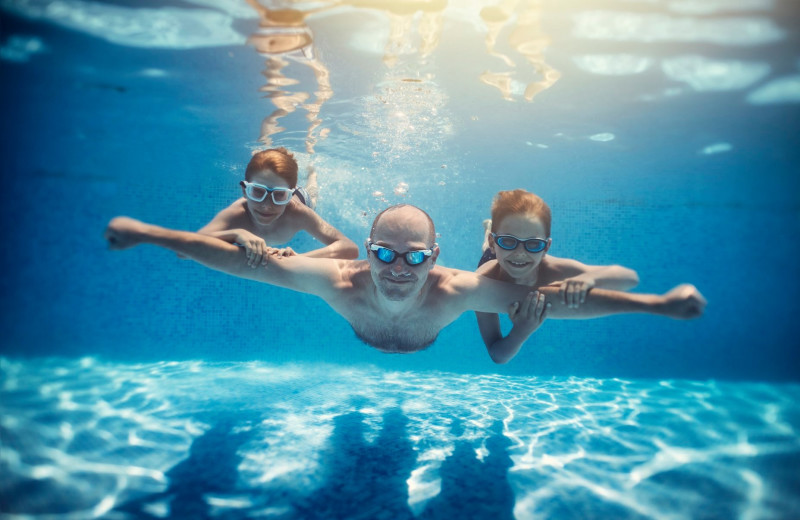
(663, 134)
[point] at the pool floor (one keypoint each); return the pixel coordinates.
(87, 438)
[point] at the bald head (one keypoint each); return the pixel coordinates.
(403, 216)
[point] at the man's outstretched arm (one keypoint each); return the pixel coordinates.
(486, 295)
(308, 275)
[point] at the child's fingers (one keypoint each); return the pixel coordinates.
(512, 309)
(575, 294)
(528, 304)
(251, 255)
(540, 307)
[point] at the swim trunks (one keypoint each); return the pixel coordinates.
(303, 195)
(295, 43)
(487, 255)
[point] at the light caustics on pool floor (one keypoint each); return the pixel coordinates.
(87, 439)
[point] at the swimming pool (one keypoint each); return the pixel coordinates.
(664, 135)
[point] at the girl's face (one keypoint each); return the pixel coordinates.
(266, 212)
(519, 263)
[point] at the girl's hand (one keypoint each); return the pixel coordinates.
(572, 291)
(530, 314)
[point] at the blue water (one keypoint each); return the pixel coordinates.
(664, 136)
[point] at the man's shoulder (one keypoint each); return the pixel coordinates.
(350, 283)
(450, 280)
(332, 279)
(353, 272)
(454, 291)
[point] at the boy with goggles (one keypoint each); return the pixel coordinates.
(515, 251)
(273, 209)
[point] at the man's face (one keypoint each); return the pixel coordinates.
(266, 212)
(519, 263)
(405, 229)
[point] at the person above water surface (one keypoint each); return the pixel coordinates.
(398, 299)
(273, 209)
(284, 37)
(515, 251)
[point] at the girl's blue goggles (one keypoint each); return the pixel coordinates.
(388, 256)
(510, 242)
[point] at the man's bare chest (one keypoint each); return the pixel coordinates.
(402, 333)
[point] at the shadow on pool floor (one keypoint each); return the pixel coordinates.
(363, 480)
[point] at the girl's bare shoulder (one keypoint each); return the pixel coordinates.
(554, 269)
(491, 269)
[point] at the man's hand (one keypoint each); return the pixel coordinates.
(123, 232)
(684, 302)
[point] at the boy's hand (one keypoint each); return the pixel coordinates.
(530, 314)
(572, 291)
(255, 248)
(282, 252)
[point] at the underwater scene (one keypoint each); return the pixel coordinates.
(663, 134)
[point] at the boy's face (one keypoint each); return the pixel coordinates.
(266, 212)
(520, 263)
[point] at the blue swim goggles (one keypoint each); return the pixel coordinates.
(510, 242)
(388, 256)
(259, 192)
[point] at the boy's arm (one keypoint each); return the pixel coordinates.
(308, 275)
(336, 244)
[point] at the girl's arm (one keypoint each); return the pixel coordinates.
(526, 318)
